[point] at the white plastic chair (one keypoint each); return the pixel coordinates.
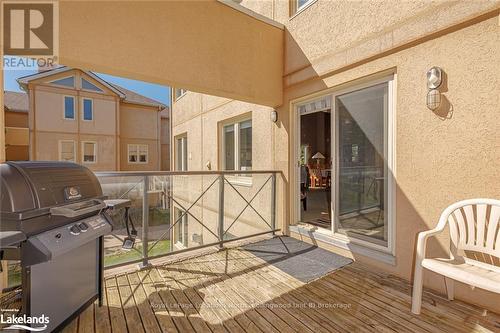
(477, 232)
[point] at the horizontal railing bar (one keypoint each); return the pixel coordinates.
(189, 249)
(182, 173)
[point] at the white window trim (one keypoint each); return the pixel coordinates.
(236, 124)
(178, 154)
(95, 152)
(137, 146)
(64, 107)
(183, 92)
(296, 10)
(240, 180)
(89, 90)
(183, 223)
(391, 79)
(63, 86)
(60, 149)
(83, 109)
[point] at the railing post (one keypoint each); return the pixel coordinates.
(221, 211)
(273, 202)
(145, 222)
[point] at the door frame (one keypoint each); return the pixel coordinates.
(389, 145)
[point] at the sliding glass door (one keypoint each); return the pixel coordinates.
(361, 181)
(344, 173)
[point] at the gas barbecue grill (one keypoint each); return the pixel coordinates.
(52, 220)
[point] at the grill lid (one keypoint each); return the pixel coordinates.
(46, 184)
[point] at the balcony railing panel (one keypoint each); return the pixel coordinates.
(175, 212)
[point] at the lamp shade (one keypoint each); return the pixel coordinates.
(318, 156)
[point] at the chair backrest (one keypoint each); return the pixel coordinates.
(474, 226)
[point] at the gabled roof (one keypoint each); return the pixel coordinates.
(23, 81)
(125, 94)
(16, 101)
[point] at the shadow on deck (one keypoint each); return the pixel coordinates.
(236, 291)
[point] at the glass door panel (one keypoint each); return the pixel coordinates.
(361, 168)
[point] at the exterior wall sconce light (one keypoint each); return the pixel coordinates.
(434, 77)
(433, 99)
(274, 116)
(434, 81)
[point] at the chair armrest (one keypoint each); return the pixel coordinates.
(422, 241)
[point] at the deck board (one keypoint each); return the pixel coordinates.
(234, 291)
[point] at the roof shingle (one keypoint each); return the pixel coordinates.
(16, 101)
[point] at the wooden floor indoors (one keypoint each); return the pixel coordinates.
(234, 291)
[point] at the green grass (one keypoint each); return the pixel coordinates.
(159, 216)
(14, 275)
(122, 256)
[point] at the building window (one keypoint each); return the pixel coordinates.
(181, 228)
(137, 154)
(66, 82)
(181, 157)
(69, 107)
(179, 92)
(88, 109)
(89, 152)
(299, 5)
(67, 150)
(237, 146)
(86, 85)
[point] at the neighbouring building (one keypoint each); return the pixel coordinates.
(73, 115)
(16, 107)
(367, 158)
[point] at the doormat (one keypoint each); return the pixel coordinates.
(301, 260)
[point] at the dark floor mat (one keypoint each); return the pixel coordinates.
(301, 260)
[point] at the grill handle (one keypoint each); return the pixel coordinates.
(69, 211)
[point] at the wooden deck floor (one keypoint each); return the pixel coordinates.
(234, 291)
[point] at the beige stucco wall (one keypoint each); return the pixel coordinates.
(234, 46)
(441, 157)
(141, 122)
(346, 33)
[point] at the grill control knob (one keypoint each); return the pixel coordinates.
(74, 230)
(83, 226)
